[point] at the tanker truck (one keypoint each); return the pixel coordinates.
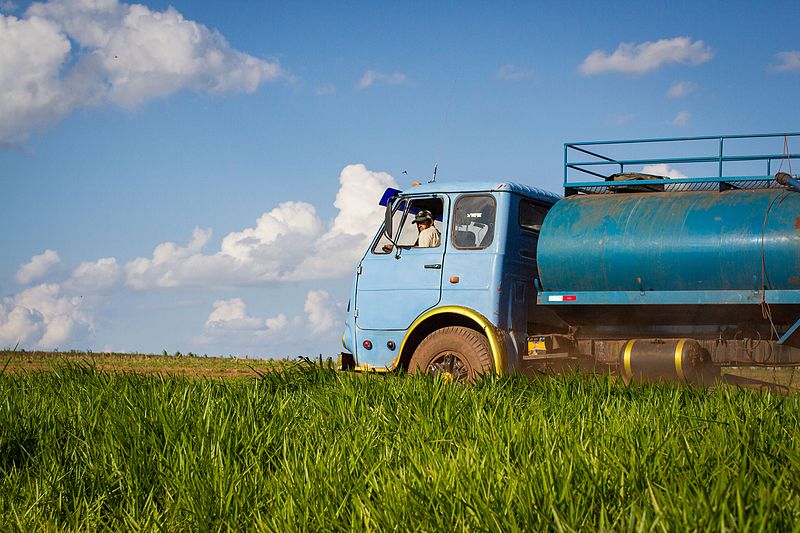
(643, 275)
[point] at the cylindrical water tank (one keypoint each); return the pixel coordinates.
(669, 241)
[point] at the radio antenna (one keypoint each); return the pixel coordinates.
(441, 140)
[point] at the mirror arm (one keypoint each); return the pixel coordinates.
(397, 247)
(387, 219)
(387, 225)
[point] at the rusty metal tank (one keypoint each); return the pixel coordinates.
(734, 240)
(704, 264)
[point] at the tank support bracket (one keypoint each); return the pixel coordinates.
(792, 336)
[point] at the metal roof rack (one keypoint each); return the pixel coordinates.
(614, 175)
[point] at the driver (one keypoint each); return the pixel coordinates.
(429, 236)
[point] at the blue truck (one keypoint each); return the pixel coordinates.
(638, 269)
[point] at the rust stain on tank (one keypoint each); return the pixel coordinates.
(797, 223)
(794, 279)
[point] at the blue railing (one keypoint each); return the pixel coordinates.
(613, 182)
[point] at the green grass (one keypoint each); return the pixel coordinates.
(309, 449)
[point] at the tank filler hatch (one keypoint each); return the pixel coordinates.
(677, 164)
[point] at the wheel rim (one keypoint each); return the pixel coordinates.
(450, 365)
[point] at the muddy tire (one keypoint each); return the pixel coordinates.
(456, 352)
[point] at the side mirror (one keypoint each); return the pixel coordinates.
(387, 221)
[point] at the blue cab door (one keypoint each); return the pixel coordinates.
(394, 286)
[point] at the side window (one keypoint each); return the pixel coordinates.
(531, 215)
(473, 221)
(406, 232)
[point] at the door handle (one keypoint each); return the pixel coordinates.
(435, 265)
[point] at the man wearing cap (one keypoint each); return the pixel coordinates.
(429, 236)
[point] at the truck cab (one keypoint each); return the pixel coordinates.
(460, 308)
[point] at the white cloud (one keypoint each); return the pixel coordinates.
(662, 170)
(41, 317)
(679, 89)
(159, 271)
(288, 243)
(320, 310)
(92, 276)
(277, 322)
(372, 77)
(787, 61)
(637, 59)
(232, 315)
(18, 325)
(337, 250)
(231, 326)
(325, 90)
(31, 54)
(513, 73)
(38, 267)
(124, 55)
(283, 234)
(681, 120)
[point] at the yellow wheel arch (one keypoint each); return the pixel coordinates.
(495, 336)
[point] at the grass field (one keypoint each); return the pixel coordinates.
(304, 448)
(190, 365)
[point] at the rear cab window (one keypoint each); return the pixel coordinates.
(473, 221)
(531, 215)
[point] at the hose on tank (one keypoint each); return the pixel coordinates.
(787, 181)
(766, 312)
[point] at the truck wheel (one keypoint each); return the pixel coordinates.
(456, 352)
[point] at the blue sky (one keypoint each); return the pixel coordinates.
(123, 127)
